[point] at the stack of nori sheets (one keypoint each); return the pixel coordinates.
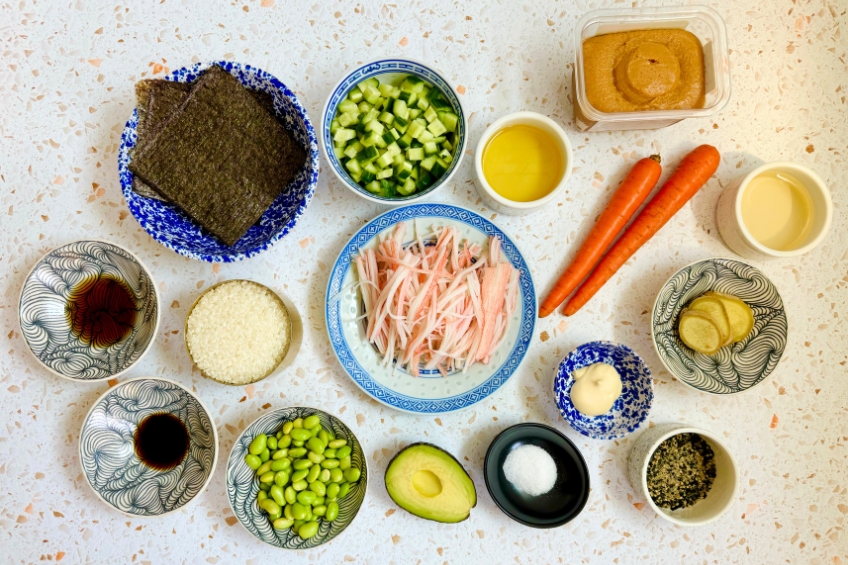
(213, 148)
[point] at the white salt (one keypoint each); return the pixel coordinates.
(530, 469)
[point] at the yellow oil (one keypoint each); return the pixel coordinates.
(523, 163)
(777, 210)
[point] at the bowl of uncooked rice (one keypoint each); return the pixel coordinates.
(238, 332)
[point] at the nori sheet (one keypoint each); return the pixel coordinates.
(220, 156)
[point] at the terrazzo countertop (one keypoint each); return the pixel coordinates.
(66, 90)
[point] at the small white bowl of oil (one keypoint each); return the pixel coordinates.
(778, 210)
(523, 162)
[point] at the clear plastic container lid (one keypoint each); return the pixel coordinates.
(703, 22)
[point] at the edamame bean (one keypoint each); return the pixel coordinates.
(330, 463)
(336, 476)
(258, 444)
(277, 494)
(279, 434)
(265, 455)
(316, 445)
(321, 500)
(299, 475)
(330, 453)
(300, 485)
(272, 443)
(296, 526)
(297, 452)
(297, 443)
(313, 432)
(344, 488)
(302, 464)
(276, 516)
(324, 477)
(287, 512)
(267, 477)
(309, 514)
(265, 486)
(284, 442)
(264, 468)
(337, 443)
(287, 428)
(308, 530)
(314, 457)
(324, 436)
(318, 488)
(290, 494)
(306, 497)
(313, 474)
(331, 434)
(344, 463)
(352, 475)
(252, 461)
(283, 523)
(332, 512)
(281, 478)
(299, 434)
(270, 506)
(343, 452)
(298, 511)
(297, 423)
(333, 490)
(260, 496)
(311, 421)
(319, 510)
(279, 454)
(280, 464)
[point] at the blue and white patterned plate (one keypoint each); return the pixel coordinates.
(734, 368)
(383, 70)
(243, 484)
(107, 451)
(631, 408)
(45, 324)
(174, 229)
(430, 393)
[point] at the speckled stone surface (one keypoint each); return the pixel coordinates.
(66, 89)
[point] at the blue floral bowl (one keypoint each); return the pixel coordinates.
(109, 458)
(174, 229)
(385, 69)
(631, 408)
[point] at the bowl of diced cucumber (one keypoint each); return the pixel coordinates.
(393, 131)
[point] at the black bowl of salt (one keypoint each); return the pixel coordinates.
(536, 475)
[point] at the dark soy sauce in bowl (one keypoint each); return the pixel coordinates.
(161, 441)
(101, 311)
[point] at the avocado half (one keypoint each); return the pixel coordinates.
(429, 482)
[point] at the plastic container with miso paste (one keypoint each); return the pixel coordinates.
(703, 22)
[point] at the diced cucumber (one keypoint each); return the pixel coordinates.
(433, 94)
(386, 173)
(424, 181)
(388, 189)
(439, 168)
(449, 119)
(372, 114)
(431, 147)
(369, 81)
(423, 104)
(445, 155)
(355, 95)
(343, 134)
(403, 171)
(394, 133)
(353, 166)
(346, 106)
(380, 143)
(404, 95)
(398, 160)
(371, 94)
(430, 115)
(380, 104)
(371, 167)
(349, 118)
(414, 174)
(440, 103)
(334, 126)
(436, 127)
(426, 136)
(375, 126)
(415, 129)
(415, 153)
(355, 144)
(367, 154)
(393, 148)
(364, 106)
(407, 188)
(416, 143)
(388, 137)
(405, 140)
(373, 186)
(367, 176)
(385, 90)
(414, 113)
(447, 145)
(428, 163)
(356, 176)
(400, 110)
(386, 118)
(350, 152)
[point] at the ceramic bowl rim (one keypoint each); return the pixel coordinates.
(643, 474)
(359, 191)
(214, 438)
(155, 325)
(301, 407)
(584, 495)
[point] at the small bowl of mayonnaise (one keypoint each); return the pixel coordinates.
(603, 390)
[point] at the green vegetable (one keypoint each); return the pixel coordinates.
(290, 495)
(317, 487)
(277, 494)
(280, 464)
(300, 485)
(352, 475)
(298, 511)
(300, 434)
(267, 477)
(308, 530)
(306, 497)
(302, 464)
(311, 421)
(265, 455)
(258, 444)
(271, 443)
(313, 474)
(281, 478)
(287, 428)
(283, 523)
(332, 512)
(252, 461)
(343, 452)
(336, 476)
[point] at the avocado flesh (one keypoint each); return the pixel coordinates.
(429, 483)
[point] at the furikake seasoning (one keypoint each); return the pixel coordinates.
(681, 471)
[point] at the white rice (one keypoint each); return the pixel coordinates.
(238, 332)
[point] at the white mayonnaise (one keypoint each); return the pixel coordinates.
(596, 388)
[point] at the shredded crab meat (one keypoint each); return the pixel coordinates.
(443, 306)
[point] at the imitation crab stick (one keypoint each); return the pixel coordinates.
(634, 189)
(693, 172)
(443, 306)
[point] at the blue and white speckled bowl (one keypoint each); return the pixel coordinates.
(174, 229)
(631, 408)
(382, 68)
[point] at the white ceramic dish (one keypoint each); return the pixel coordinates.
(721, 495)
(503, 205)
(737, 237)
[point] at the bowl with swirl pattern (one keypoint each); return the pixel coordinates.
(734, 368)
(243, 484)
(119, 471)
(89, 310)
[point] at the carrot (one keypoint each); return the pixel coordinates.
(692, 173)
(632, 191)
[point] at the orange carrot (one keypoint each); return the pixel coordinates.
(632, 191)
(692, 173)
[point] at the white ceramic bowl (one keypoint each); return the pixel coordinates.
(503, 205)
(384, 69)
(737, 237)
(721, 495)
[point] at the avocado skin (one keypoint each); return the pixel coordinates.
(455, 460)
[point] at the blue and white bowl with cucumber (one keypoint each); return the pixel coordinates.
(394, 131)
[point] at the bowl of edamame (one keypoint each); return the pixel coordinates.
(296, 477)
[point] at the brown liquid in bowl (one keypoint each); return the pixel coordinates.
(101, 311)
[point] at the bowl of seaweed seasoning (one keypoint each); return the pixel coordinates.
(688, 475)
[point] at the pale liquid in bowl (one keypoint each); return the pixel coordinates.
(523, 163)
(778, 211)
